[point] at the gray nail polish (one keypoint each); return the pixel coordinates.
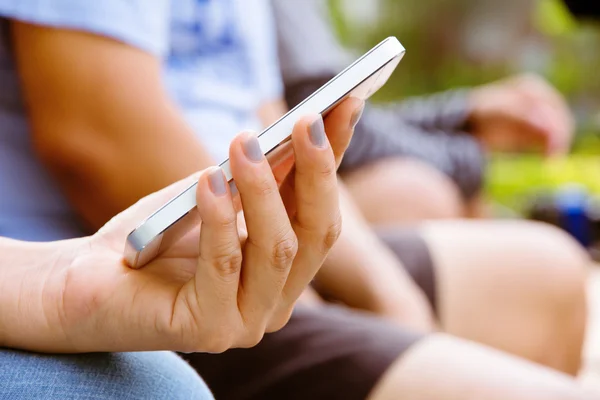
(252, 149)
(216, 179)
(233, 188)
(317, 132)
(356, 116)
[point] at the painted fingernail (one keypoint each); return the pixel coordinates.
(252, 149)
(216, 178)
(356, 116)
(317, 132)
(233, 188)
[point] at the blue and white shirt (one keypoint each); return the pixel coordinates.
(220, 64)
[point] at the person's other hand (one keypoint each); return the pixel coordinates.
(521, 113)
(212, 290)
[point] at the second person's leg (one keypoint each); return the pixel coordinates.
(515, 286)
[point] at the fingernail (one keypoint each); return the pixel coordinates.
(317, 132)
(252, 149)
(356, 116)
(216, 178)
(233, 188)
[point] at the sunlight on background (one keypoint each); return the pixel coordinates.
(461, 43)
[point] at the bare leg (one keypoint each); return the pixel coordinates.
(515, 286)
(443, 368)
(403, 191)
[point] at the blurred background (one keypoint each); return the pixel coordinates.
(455, 43)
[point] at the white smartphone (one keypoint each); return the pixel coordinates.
(361, 79)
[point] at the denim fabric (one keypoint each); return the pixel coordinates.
(124, 376)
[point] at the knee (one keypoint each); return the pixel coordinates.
(431, 188)
(144, 376)
(564, 266)
(432, 194)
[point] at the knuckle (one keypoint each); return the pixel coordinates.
(332, 233)
(252, 338)
(322, 170)
(280, 319)
(284, 251)
(218, 339)
(228, 262)
(226, 220)
(218, 345)
(329, 168)
(264, 186)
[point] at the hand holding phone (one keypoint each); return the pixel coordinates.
(360, 80)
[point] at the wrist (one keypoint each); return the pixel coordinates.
(477, 109)
(29, 314)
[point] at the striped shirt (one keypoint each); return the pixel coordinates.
(431, 129)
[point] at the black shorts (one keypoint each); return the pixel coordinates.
(324, 353)
(410, 248)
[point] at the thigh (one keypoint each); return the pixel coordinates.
(516, 286)
(446, 368)
(323, 353)
(143, 376)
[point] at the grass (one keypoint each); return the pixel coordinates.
(513, 180)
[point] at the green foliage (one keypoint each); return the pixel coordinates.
(540, 35)
(553, 18)
(512, 181)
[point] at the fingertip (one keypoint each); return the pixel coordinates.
(211, 185)
(203, 182)
(357, 114)
(236, 147)
(355, 102)
(304, 123)
(309, 132)
(316, 132)
(217, 182)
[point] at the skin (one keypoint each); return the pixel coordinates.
(444, 368)
(521, 113)
(83, 107)
(404, 191)
(213, 290)
(363, 273)
(476, 264)
(472, 259)
(87, 130)
(515, 286)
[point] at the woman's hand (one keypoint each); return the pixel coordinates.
(213, 290)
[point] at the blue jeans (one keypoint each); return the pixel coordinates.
(127, 376)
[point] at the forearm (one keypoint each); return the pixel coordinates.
(112, 168)
(25, 309)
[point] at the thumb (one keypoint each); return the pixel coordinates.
(125, 222)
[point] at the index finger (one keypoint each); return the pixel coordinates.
(129, 219)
